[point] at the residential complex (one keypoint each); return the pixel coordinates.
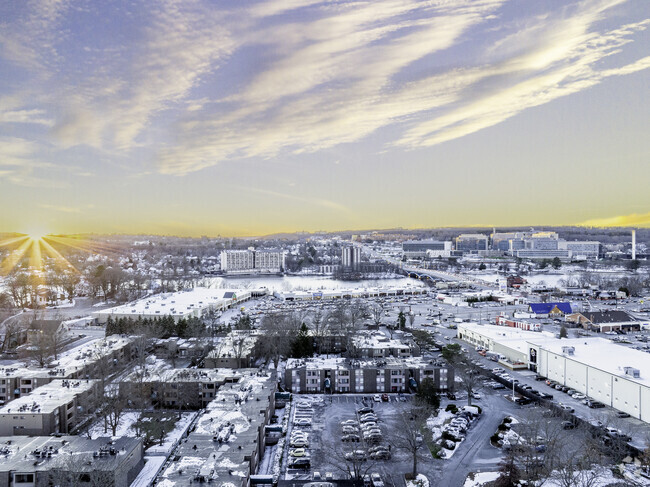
(252, 261)
(339, 375)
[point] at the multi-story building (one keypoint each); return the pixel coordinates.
(472, 242)
(351, 257)
(374, 344)
(56, 407)
(338, 375)
(252, 261)
(180, 388)
(581, 250)
(96, 359)
(225, 446)
(233, 351)
(69, 460)
(419, 249)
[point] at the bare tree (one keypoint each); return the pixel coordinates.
(377, 314)
(409, 435)
(114, 408)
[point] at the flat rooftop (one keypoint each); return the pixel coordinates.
(377, 340)
(177, 304)
(235, 417)
(70, 361)
(601, 354)
(48, 398)
(25, 453)
(158, 374)
(317, 363)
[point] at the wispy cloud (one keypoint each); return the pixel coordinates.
(632, 220)
(199, 83)
(331, 205)
(59, 208)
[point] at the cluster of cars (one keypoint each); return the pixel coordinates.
(299, 438)
(365, 428)
(455, 431)
(592, 403)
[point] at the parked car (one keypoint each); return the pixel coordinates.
(568, 425)
(299, 463)
(622, 414)
(376, 398)
(299, 443)
(351, 438)
(365, 410)
(297, 452)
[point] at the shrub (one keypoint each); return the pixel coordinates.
(507, 419)
(452, 407)
(495, 438)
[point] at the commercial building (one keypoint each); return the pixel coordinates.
(96, 359)
(605, 321)
(599, 368)
(612, 374)
(69, 460)
(56, 407)
(550, 310)
(472, 242)
(419, 249)
(339, 375)
(522, 325)
(581, 250)
(195, 303)
(509, 344)
(251, 261)
(369, 292)
(227, 441)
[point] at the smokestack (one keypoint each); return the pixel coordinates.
(633, 244)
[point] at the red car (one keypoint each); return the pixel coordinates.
(384, 397)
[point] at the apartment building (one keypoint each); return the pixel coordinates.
(338, 375)
(56, 407)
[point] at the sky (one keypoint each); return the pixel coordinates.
(240, 118)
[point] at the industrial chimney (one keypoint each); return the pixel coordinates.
(633, 244)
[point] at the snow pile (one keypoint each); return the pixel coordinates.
(435, 423)
(420, 481)
(479, 479)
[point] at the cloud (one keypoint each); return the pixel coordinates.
(332, 205)
(632, 220)
(61, 209)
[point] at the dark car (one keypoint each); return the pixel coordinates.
(301, 463)
(568, 425)
(365, 410)
(539, 377)
(384, 397)
(621, 414)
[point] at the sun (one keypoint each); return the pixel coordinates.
(36, 234)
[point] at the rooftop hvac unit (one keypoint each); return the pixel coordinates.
(568, 350)
(631, 371)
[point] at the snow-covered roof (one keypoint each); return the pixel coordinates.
(179, 304)
(319, 363)
(49, 397)
(601, 354)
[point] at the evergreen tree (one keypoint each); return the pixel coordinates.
(557, 263)
(401, 320)
(303, 345)
(428, 393)
(563, 332)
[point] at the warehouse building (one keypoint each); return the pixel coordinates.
(605, 321)
(612, 374)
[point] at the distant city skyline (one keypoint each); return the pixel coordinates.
(216, 118)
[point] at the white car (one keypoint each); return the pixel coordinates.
(376, 398)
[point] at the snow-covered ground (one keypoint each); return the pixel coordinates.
(420, 481)
(479, 479)
(172, 438)
(124, 429)
(435, 423)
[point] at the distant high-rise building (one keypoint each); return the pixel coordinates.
(351, 257)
